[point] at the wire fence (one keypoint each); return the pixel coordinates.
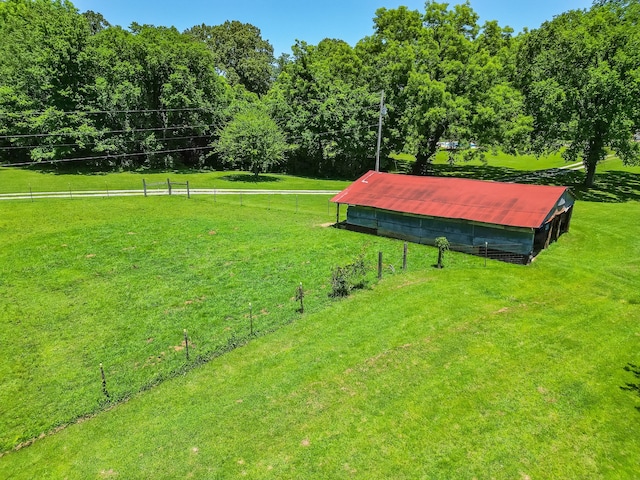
(316, 202)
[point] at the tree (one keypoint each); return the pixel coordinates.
(40, 77)
(446, 78)
(324, 105)
(96, 21)
(581, 79)
(159, 92)
(252, 141)
(240, 53)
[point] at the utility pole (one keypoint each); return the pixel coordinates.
(382, 112)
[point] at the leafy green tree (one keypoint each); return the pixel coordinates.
(159, 92)
(252, 141)
(326, 109)
(40, 78)
(446, 78)
(241, 54)
(96, 21)
(581, 79)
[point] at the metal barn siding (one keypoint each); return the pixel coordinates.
(425, 230)
(472, 214)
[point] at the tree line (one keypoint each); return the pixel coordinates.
(74, 88)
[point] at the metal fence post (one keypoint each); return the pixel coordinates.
(486, 252)
(404, 256)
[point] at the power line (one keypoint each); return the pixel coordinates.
(108, 132)
(99, 112)
(125, 155)
(104, 157)
(58, 145)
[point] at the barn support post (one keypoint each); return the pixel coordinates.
(337, 213)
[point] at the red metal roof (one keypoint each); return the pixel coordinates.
(498, 203)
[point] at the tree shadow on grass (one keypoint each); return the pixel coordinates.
(609, 187)
(632, 387)
(250, 178)
(88, 170)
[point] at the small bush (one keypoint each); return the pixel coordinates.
(349, 277)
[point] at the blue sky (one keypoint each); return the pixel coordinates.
(282, 22)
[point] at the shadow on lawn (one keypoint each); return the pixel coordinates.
(632, 387)
(249, 178)
(610, 187)
(87, 170)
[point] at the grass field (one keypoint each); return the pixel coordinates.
(501, 371)
(14, 180)
(117, 280)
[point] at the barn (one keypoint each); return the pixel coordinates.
(503, 220)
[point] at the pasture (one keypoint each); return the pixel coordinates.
(500, 371)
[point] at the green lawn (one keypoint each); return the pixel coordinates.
(517, 162)
(21, 180)
(498, 159)
(501, 371)
(523, 162)
(117, 280)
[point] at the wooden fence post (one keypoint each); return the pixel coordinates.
(169, 185)
(404, 256)
(144, 186)
(186, 342)
(104, 383)
(188, 191)
(379, 265)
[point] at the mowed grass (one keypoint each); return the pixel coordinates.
(115, 281)
(466, 372)
(504, 160)
(501, 371)
(15, 180)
